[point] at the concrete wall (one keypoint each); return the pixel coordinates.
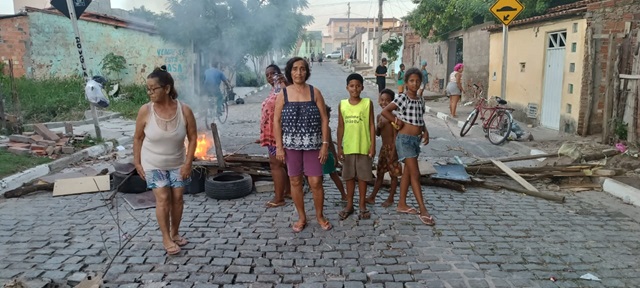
(476, 57)
(14, 42)
(605, 17)
(436, 56)
(54, 54)
(527, 46)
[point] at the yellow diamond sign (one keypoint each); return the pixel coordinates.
(506, 10)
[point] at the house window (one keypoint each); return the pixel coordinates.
(523, 66)
(574, 47)
(575, 28)
(340, 29)
(572, 67)
(570, 88)
(569, 108)
(557, 40)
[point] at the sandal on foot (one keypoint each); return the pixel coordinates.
(180, 241)
(387, 203)
(411, 211)
(364, 214)
(370, 200)
(298, 227)
(173, 250)
(272, 204)
(427, 220)
(344, 214)
(326, 226)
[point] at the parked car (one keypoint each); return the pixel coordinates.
(334, 55)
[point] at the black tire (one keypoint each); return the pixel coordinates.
(133, 185)
(222, 117)
(471, 119)
(228, 185)
(499, 127)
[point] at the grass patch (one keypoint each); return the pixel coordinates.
(58, 99)
(11, 163)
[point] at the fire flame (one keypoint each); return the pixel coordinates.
(203, 146)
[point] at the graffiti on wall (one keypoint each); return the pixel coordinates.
(175, 59)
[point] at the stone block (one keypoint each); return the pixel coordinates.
(36, 138)
(29, 133)
(36, 147)
(19, 151)
(46, 143)
(264, 186)
(21, 139)
(43, 131)
(50, 150)
(68, 149)
(76, 278)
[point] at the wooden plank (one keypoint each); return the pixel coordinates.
(591, 56)
(426, 168)
(218, 145)
(82, 185)
(43, 131)
(515, 158)
(608, 96)
(515, 176)
(629, 77)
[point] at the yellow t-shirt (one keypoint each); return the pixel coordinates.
(357, 135)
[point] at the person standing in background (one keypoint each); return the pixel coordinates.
(381, 75)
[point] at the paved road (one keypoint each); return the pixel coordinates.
(482, 239)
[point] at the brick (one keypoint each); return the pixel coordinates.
(36, 138)
(46, 143)
(36, 147)
(45, 132)
(68, 149)
(21, 139)
(19, 151)
(19, 145)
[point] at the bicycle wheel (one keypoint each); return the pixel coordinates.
(499, 127)
(471, 119)
(224, 113)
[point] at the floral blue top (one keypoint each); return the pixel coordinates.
(301, 124)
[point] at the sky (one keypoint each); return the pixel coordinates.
(322, 10)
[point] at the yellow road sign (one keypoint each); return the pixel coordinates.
(506, 10)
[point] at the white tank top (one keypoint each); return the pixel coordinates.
(452, 77)
(163, 150)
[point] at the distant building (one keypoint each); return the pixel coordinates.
(338, 33)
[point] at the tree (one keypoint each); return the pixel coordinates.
(435, 19)
(391, 47)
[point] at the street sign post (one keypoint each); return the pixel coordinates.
(73, 9)
(506, 11)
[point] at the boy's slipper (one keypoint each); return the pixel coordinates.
(427, 220)
(272, 204)
(344, 214)
(364, 214)
(173, 250)
(180, 241)
(298, 226)
(411, 211)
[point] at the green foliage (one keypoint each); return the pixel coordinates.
(11, 163)
(620, 129)
(113, 64)
(435, 19)
(391, 47)
(133, 96)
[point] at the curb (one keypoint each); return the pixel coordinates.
(628, 193)
(53, 125)
(254, 91)
(16, 180)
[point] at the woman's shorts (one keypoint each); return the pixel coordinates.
(453, 90)
(301, 162)
(407, 146)
(165, 178)
(357, 165)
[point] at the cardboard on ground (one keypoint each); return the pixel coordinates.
(81, 185)
(506, 10)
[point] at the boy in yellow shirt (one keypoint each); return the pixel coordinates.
(356, 122)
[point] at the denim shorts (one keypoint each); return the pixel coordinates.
(165, 178)
(407, 146)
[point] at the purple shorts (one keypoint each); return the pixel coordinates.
(303, 162)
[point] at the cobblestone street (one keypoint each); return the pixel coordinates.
(482, 238)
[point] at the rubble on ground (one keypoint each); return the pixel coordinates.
(43, 142)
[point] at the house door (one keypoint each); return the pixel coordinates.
(553, 78)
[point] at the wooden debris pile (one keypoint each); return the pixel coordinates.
(42, 142)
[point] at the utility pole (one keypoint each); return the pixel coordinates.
(348, 23)
(379, 31)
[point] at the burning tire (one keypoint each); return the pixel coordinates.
(228, 185)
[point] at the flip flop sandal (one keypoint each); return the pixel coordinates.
(173, 250)
(410, 211)
(326, 226)
(344, 214)
(272, 204)
(180, 241)
(298, 227)
(365, 214)
(427, 220)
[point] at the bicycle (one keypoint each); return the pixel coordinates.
(497, 125)
(222, 112)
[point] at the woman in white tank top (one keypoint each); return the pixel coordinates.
(454, 88)
(160, 156)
